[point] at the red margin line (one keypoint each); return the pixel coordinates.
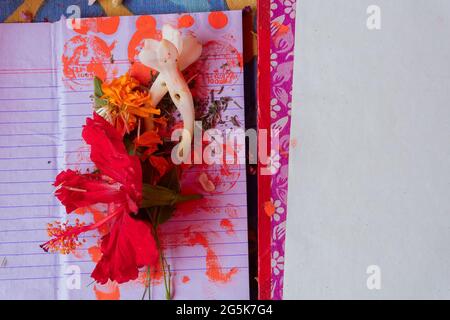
(264, 181)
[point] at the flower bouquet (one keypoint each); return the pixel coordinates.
(137, 165)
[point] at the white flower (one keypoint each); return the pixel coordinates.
(273, 60)
(274, 162)
(273, 7)
(290, 8)
(277, 262)
(279, 210)
(274, 108)
(289, 105)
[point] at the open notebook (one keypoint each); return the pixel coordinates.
(46, 73)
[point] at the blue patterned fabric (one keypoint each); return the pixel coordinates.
(52, 10)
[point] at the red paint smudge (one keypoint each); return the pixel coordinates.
(224, 177)
(185, 279)
(227, 225)
(219, 64)
(231, 210)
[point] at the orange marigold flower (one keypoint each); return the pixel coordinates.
(127, 101)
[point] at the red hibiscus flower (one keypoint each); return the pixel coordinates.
(77, 190)
(130, 244)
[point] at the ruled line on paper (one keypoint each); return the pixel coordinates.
(89, 273)
(28, 138)
(32, 158)
(90, 261)
(42, 241)
(30, 134)
(42, 253)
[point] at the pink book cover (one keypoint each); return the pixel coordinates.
(275, 71)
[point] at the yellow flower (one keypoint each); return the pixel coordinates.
(127, 101)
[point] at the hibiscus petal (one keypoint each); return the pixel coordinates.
(110, 156)
(129, 246)
(76, 190)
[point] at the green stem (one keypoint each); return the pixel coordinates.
(162, 259)
(148, 286)
(166, 276)
(186, 197)
(149, 283)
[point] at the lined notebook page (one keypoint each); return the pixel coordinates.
(30, 138)
(45, 97)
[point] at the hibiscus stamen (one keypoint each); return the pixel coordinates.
(65, 237)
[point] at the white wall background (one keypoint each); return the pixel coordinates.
(369, 179)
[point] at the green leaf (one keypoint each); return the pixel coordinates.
(170, 180)
(155, 196)
(162, 198)
(98, 87)
(129, 145)
(165, 213)
(98, 102)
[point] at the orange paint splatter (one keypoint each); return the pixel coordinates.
(280, 28)
(85, 57)
(156, 275)
(105, 25)
(112, 292)
(214, 270)
(145, 29)
(81, 211)
(185, 279)
(98, 216)
(218, 19)
(186, 21)
(269, 208)
(95, 253)
(227, 225)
